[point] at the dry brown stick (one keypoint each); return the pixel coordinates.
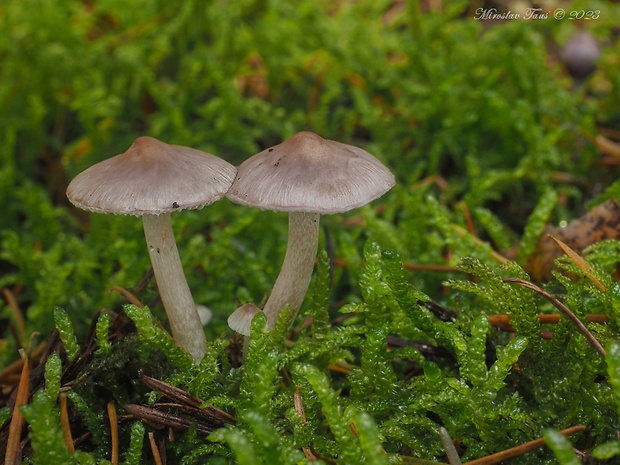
(13, 450)
(339, 368)
(495, 255)
(299, 404)
(159, 419)
(170, 391)
(410, 266)
(580, 262)
(471, 228)
(17, 366)
(565, 310)
(155, 449)
(144, 282)
(17, 313)
(213, 413)
(521, 449)
(607, 146)
(431, 267)
(64, 422)
(545, 318)
(128, 295)
(113, 432)
(299, 407)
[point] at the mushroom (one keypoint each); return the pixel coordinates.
(580, 55)
(307, 176)
(152, 179)
(241, 319)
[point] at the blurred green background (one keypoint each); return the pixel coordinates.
(481, 114)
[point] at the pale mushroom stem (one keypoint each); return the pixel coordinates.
(173, 289)
(294, 278)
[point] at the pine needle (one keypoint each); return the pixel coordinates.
(13, 451)
(113, 432)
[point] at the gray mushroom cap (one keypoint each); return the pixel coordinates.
(241, 319)
(152, 177)
(307, 173)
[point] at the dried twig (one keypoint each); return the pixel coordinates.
(12, 371)
(503, 322)
(521, 449)
(64, 422)
(13, 450)
(183, 412)
(185, 399)
(565, 310)
(155, 449)
(545, 319)
(160, 416)
(132, 299)
(113, 432)
(431, 267)
(299, 408)
(580, 262)
(15, 310)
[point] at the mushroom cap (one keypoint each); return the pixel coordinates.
(580, 54)
(240, 320)
(307, 173)
(152, 178)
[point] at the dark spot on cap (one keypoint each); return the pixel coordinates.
(270, 150)
(175, 205)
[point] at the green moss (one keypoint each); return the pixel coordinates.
(133, 456)
(561, 447)
(66, 333)
(43, 416)
(156, 337)
(489, 141)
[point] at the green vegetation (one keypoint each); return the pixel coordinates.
(489, 139)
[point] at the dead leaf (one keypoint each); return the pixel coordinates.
(607, 146)
(253, 81)
(600, 223)
(580, 262)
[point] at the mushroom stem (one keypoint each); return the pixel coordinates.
(173, 289)
(294, 278)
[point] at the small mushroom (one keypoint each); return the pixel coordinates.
(580, 55)
(307, 176)
(241, 319)
(152, 179)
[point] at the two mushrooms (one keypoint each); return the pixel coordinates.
(306, 176)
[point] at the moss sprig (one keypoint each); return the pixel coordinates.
(66, 333)
(153, 335)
